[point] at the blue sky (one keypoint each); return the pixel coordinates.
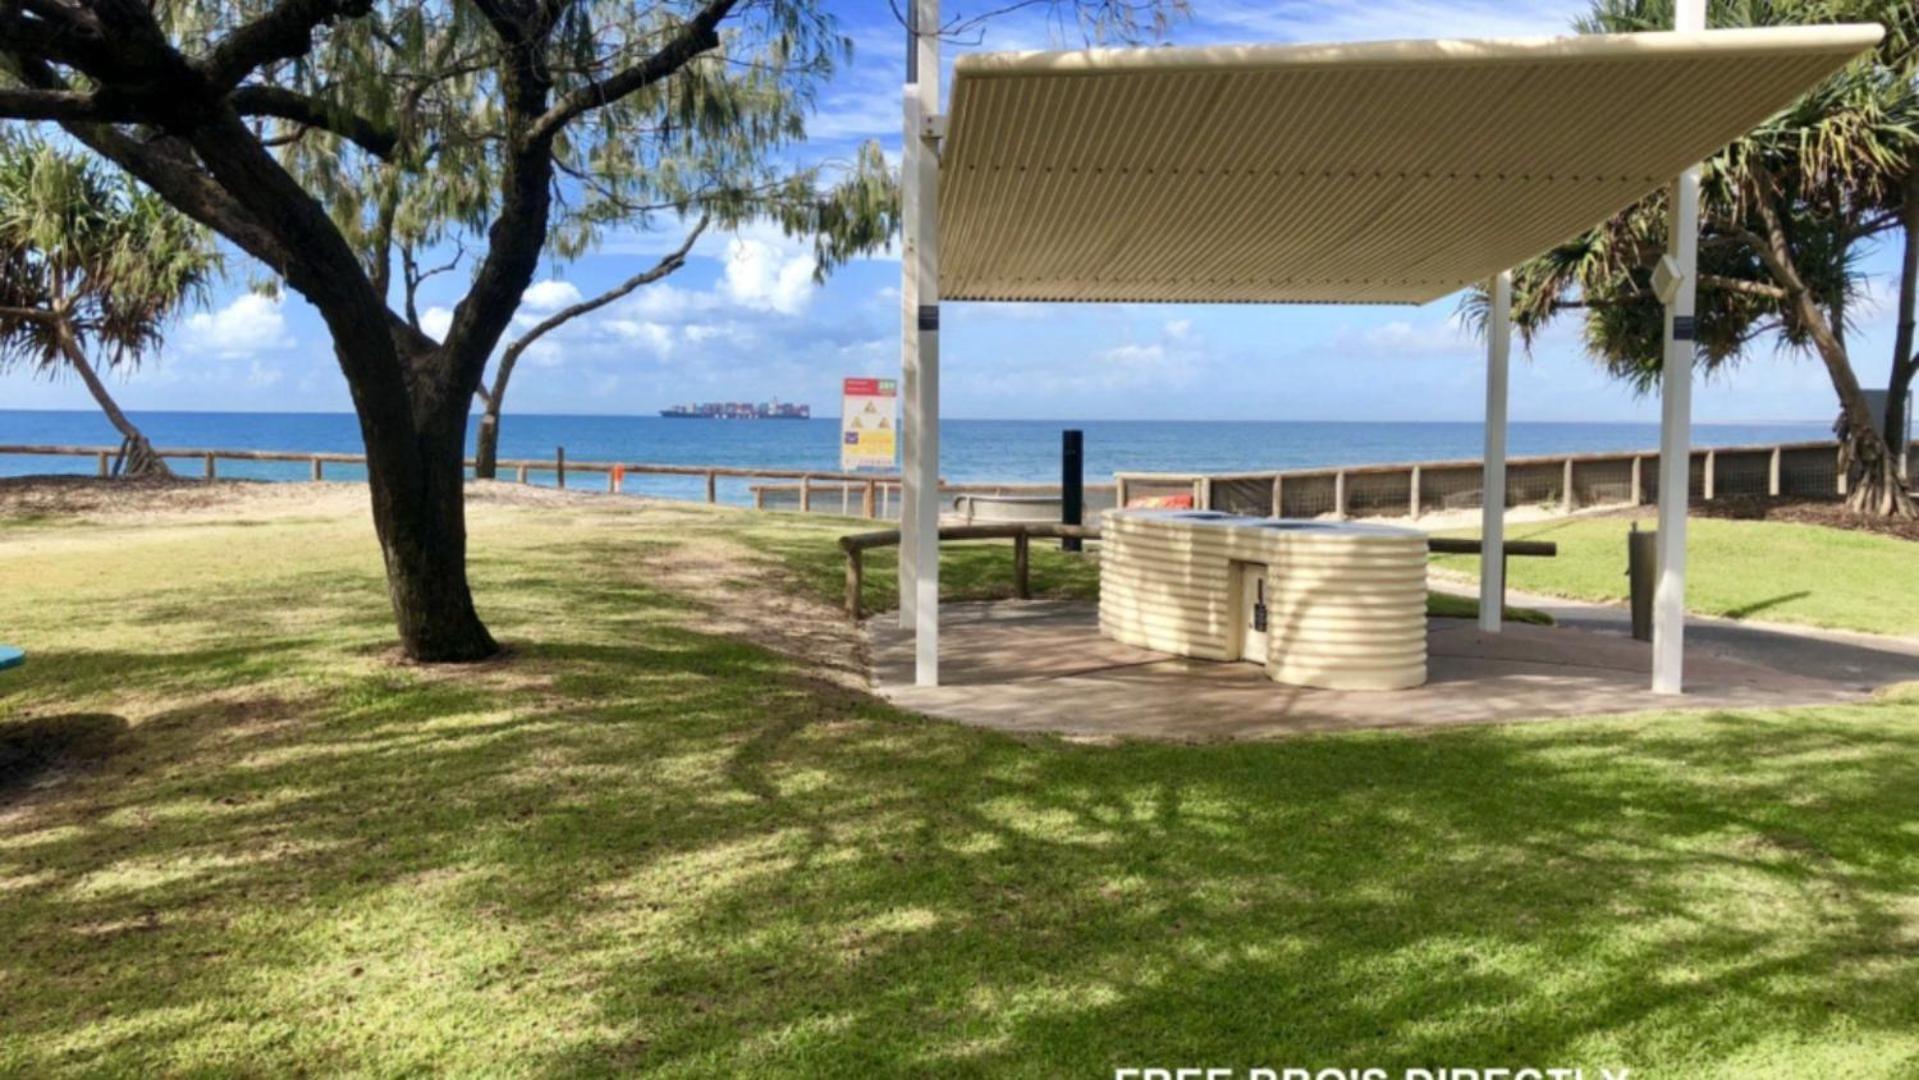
(744, 320)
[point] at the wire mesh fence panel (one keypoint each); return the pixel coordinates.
(1741, 472)
(1540, 484)
(1697, 474)
(1812, 472)
(1602, 483)
(1457, 487)
(1251, 495)
(1379, 494)
(1306, 496)
(1144, 491)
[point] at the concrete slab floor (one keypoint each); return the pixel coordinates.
(1042, 666)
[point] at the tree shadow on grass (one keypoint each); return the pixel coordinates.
(644, 846)
(31, 750)
(1747, 611)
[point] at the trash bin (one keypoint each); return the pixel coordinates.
(1642, 573)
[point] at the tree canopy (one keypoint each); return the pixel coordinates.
(92, 267)
(1787, 214)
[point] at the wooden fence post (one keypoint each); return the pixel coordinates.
(1712, 469)
(211, 470)
(319, 470)
(559, 465)
(855, 577)
(712, 487)
(613, 480)
(1772, 472)
(520, 474)
(1339, 495)
(106, 464)
(1566, 489)
(1203, 493)
(1279, 495)
(1844, 483)
(1638, 480)
(1022, 583)
(806, 494)
(869, 504)
(1412, 498)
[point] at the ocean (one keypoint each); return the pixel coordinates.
(972, 451)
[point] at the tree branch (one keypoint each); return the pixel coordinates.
(668, 264)
(1740, 285)
(285, 32)
(166, 168)
(697, 35)
(63, 106)
(283, 104)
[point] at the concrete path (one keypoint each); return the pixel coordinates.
(1042, 667)
(1864, 661)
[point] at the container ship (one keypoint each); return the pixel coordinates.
(739, 410)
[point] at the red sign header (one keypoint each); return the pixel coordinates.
(871, 388)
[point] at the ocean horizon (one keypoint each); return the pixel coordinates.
(972, 451)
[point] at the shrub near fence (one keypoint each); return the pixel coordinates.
(1564, 482)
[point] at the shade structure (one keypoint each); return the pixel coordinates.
(1389, 172)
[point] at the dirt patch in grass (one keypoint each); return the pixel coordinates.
(179, 499)
(1830, 513)
(752, 596)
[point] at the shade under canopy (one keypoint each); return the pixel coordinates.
(1390, 172)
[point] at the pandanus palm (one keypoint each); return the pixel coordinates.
(1786, 215)
(91, 270)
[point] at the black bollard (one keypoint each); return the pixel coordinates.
(1072, 485)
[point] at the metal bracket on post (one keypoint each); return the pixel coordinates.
(933, 127)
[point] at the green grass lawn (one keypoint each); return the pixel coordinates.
(641, 844)
(1768, 570)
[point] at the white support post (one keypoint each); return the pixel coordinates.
(1675, 419)
(1492, 501)
(923, 401)
(909, 323)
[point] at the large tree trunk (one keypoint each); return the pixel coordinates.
(137, 456)
(419, 512)
(1905, 362)
(1874, 483)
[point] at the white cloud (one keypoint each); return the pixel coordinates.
(654, 335)
(250, 324)
(768, 277)
(1402, 338)
(545, 353)
(1372, 20)
(550, 295)
(1177, 329)
(436, 321)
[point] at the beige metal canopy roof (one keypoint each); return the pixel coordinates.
(1374, 173)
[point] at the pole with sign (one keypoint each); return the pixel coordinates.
(869, 424)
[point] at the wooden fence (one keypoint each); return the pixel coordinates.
(1566, 482)
(522, 468)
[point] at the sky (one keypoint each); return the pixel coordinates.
(744, 319)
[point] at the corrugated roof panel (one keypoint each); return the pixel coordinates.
(1382, 172)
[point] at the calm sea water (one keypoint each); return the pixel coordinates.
(972, 450)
